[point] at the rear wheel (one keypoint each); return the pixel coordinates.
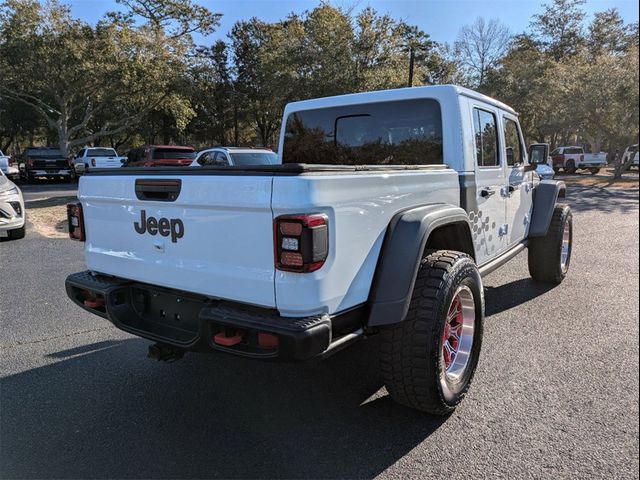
(570, 166)
(428, 360)
(594, 171)
(550, 256)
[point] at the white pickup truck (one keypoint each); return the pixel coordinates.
(571, 159)
(383, 216)
(92, 158)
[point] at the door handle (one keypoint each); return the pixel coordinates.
(487, 192)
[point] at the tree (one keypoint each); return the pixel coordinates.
(177, 19)
(559, 27)
(607, 33)
(71, 74)
(480, 47)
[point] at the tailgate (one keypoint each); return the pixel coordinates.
(215, 238)
(108, 162)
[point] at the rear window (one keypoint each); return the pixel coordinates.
(254, 158)
(44, 153)
(171, 153)
(101, 152)
(407, 132)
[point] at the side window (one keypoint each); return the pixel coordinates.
(80, 154)
(513, 145)
(221, 159)
(555, 152)
(205, 159)
(486, 138)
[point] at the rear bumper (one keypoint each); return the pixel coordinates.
(49, 172)
(192, 322)
(592, 164)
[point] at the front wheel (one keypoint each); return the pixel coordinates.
(570, 167)
(428, 360)
(550, 256)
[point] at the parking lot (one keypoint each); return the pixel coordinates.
(555, 394)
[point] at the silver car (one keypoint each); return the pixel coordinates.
(12, 215)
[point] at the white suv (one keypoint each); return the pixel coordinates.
(235, 156)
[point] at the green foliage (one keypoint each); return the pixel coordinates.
(137, 77)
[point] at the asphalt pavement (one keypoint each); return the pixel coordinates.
(555, 394)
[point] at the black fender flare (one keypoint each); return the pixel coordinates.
(544, 201)
(400, 257)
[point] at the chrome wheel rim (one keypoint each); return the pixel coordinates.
(457, 335)
(566, 247)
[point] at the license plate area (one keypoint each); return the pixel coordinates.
(158, 313)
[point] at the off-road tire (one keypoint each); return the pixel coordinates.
(594, 171)
(545, 252)
(570, 167)
(411, 351)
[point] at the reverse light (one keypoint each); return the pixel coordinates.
(301, 242)
(75, 218)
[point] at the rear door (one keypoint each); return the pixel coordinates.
(206, 233)
(488, 218)
(519, 189)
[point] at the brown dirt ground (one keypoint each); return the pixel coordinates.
(48, 217)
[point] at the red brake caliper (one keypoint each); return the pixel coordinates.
(452, 331)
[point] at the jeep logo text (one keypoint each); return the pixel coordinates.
(163, 226)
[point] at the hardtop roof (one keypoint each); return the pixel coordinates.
(438, 92)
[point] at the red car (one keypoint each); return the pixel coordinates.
(160, 156)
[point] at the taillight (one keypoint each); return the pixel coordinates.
(93, 162)
(29, 162)
(301, 242)
(76, 221)
(582, 158)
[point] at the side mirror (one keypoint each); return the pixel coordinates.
(538, 153)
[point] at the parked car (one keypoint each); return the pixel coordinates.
(12, 213)
(91, 158)
(631, 150)
(543, 164)
(160, 156)
(235, 156)
(9, 170)
(45, 162)
(571, 159)
(385, 213)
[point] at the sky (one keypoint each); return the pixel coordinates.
(441, 19)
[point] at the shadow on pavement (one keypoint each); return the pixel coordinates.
(112, 413)
(94, 347)
(514, 294)
(614, 200)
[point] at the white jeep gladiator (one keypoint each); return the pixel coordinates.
(384, 213)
